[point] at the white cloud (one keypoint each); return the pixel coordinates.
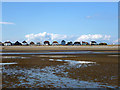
(90, 37)
(45, 36)
(6, 23)
(51, 37)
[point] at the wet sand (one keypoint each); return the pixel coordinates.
(60, 71)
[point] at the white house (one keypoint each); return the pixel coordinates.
(93, 43)
(7, 43)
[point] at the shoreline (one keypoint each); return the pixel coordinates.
(59, 48)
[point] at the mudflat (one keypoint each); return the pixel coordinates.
(61, 70)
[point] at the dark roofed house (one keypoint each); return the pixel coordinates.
(7, 43)
(24, 43)
(63, 42)
(46, 43)
(32, 43)
(102, 43)
(77, 43)
(55, 43)
(17, 43)
(69, 43)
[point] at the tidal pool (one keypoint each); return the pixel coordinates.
(46, 77)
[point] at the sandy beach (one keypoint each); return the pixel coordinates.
(28, 48)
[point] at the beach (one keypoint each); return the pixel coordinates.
(28, 48)
(60, 67)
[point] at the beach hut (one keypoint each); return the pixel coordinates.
(7, 43)
(63, 42)
(77, 43)
(17, 43)
(102, 43)
(24, 43)
(1, 44)
(55, 43)
(69, 43)
(85, 43)
(46, 43)
(38, 43)
(93, 43)
(32, 43)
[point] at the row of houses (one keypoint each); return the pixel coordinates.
(63, 42)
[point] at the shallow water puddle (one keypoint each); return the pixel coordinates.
(14, 57)
(7, 63)
(77, 64)
(36, 77)
(56, 56)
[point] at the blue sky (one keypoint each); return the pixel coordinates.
(67, 19)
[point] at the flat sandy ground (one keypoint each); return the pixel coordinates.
(28, 48)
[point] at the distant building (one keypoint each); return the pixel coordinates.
(46, 43)
(55, 43)
(7, 43)
(102, 43)
(69, 43)
(24, 43)
(1, 44)
(63, 42)
(85, 43)
(38, 43)
(93, 43)
(17, 43)
(32, 43)
(77, 43)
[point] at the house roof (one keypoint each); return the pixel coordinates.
(84, 42)
(17, 43)
(55, 42)
(46, 41)
(24, 42)
(63, 41)
(93, 41)
(32, 43)
(76, 42)
(7, 42)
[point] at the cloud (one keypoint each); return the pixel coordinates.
(6, 23)
(51, 37)
(90, 37)
(45, 36)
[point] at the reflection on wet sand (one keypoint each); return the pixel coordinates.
(66, 71)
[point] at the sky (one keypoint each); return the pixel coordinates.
(71, 21)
